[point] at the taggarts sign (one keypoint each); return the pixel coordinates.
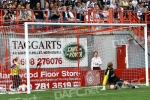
(51, 52)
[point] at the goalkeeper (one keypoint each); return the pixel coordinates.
(114, 81)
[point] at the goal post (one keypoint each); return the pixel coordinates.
(146, 55)
(26, 30)
(27, 57)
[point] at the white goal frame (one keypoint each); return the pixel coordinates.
(82, 24)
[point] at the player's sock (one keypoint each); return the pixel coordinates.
(130, 85)
(117, 87)
(136, 87)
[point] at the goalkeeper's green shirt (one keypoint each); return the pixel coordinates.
(15, 70)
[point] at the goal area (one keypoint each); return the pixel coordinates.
(58, 55)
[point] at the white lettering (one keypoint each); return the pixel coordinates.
(4, 75)
(66, 73)
(66, 94)
(32, 75)
(58, 95)
(49, 74)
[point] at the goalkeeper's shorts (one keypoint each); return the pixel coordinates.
(117, 81)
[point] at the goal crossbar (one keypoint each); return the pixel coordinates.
(83, 24)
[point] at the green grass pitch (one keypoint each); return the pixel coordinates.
(87, 93)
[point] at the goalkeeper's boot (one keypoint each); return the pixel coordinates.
(132, 86)
(136, 87)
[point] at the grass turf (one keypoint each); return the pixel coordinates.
(89, 93)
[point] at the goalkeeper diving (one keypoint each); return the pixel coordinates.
(114, 81)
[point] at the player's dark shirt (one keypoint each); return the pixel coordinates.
(111, 77)
(38, 13)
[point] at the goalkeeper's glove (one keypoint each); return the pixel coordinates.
(104, 88)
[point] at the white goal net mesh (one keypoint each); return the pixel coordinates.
(60, 56)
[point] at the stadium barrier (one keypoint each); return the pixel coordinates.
(53, 79)
(91, 16)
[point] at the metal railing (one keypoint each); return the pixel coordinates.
(17, 17)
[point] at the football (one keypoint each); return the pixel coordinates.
(23, 87)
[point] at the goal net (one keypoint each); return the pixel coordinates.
(58, 55)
